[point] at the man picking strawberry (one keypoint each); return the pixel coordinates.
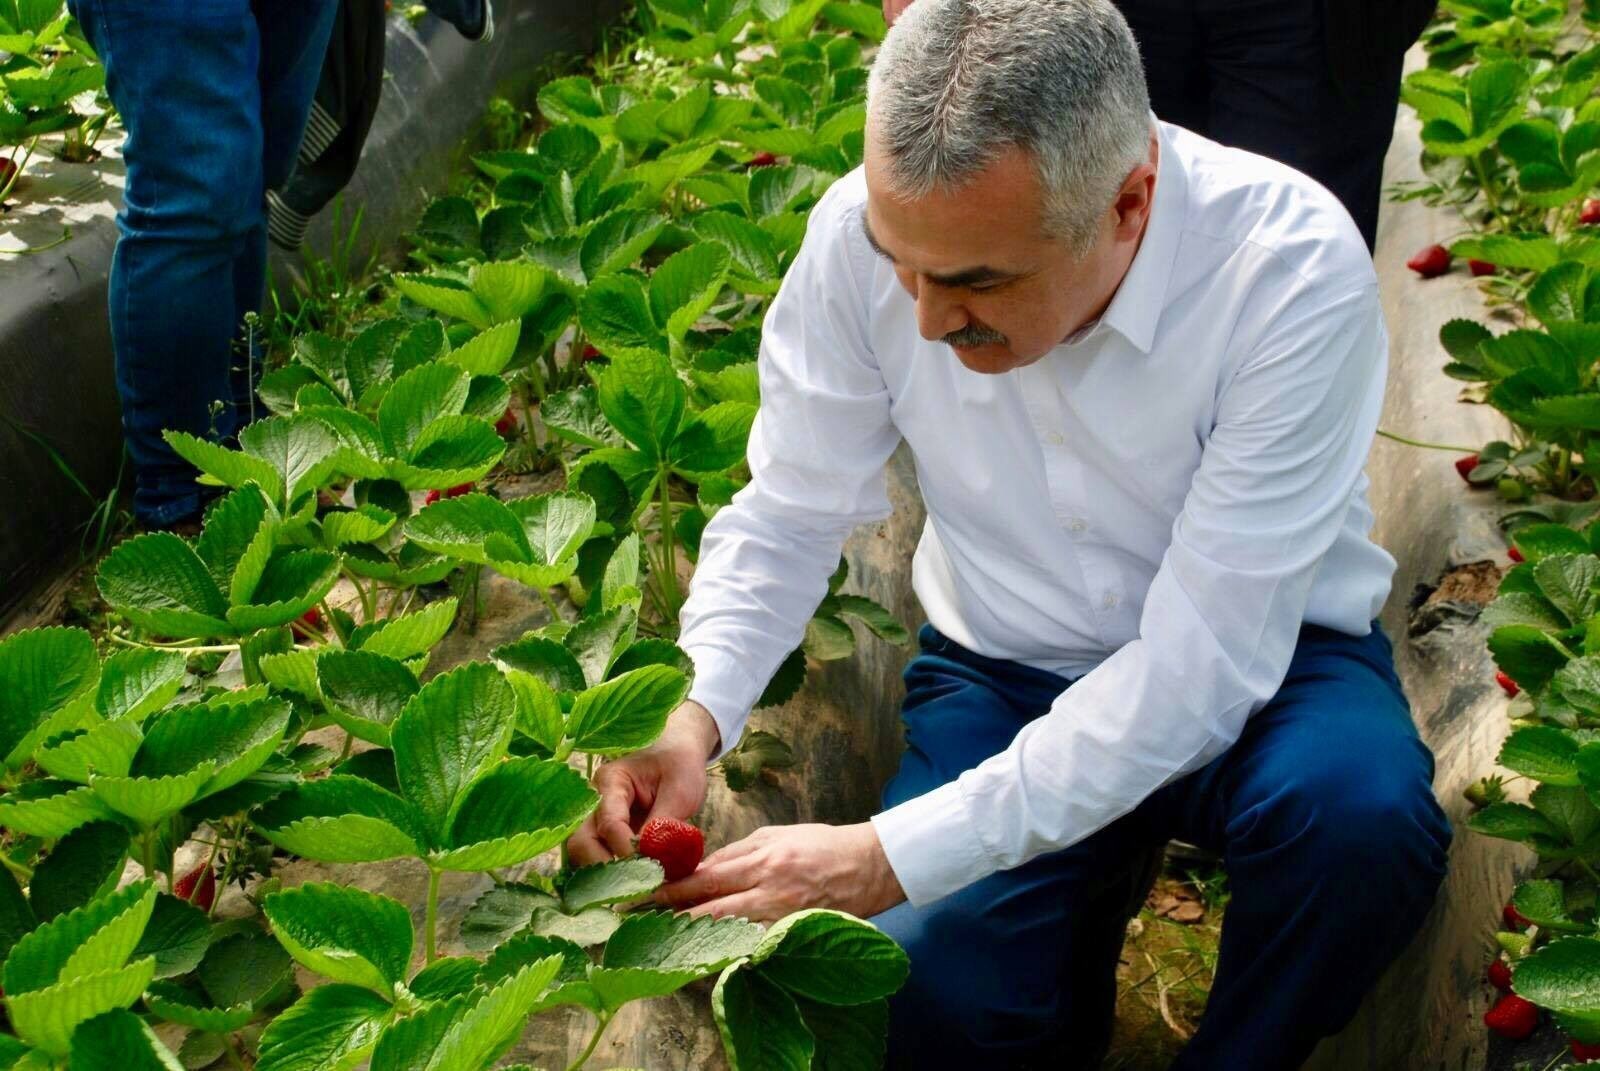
(1140, 373)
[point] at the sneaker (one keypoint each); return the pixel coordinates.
(473, 18)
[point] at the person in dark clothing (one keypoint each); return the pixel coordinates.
(1311, 83)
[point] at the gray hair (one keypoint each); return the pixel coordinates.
(957, 82)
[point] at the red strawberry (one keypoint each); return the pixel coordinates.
(1514, 554)
(674, 843)
(449, 492)
(1465, 465)
(1513, 918)
(762, 159)
(1591, 212)
(199, 887)
(1506, 684)
(1512, 1017)
(590, 353)
(312, 618)
(506, 426)
(1480, 267)
(1434, 260)
(1584, 1051)
(1500, 975)
(8, 171)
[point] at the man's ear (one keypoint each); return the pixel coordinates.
(1132, 205)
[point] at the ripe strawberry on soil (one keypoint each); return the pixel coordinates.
(312, 618)
(1514, 554)
(1583, 1051)
(1591, 212)
(506, 425)
(1480, 267)
(1465, 465)
(1499, 975)
(8, 170)
(1506, 684)
(675, 844)
(1429, 262)
(590, 353)
(198, 886)
(1512, 1017)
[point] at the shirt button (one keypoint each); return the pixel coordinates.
(1077, 524)
(1054, 438)
(1109, 601)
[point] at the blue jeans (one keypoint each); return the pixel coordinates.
(214, 96)
(1323, 812)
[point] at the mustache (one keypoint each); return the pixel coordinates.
(975, 335)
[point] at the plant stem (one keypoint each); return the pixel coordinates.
(147, 854)
(594, 1039)
(670, 563)
(232, 1048)
(219, 648)
(432, 921)
(23, 874)
(550, 604)
(1426, 446)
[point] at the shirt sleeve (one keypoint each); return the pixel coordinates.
(817, 453)
(1219, 623)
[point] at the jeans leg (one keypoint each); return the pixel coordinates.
(1017, 970)
(294, 45)
(1334, 846)
(183, 78)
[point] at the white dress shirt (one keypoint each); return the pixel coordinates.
(1154, 507)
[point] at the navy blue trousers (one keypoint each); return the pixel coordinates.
(1323, 812)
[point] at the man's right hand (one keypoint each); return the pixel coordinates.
(666, 779)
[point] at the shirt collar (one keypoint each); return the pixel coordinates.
(1136, 306)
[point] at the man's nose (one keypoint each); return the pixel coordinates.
(937, 314)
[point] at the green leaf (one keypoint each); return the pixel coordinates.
(177, 936)
(685, 285)
(786, 680)
(246, 968)
(539, 714)
(16, 917)
(500, 913)
(451, 300)
(365, 692)
(82, 865)
(1558, 295)
(342, 819)
(147, 801)
(545, 659)
(515, 811)
(626, 712)
(554, 524)
(1564, 976)
(828, 639)
(1569, 582)
(655, 953)
(1528, 655)
(1542, 752)
(136, 683)
(188, 1007)
(292, 583)
(235, 739)
(488, 353)
(108, 748)
(49, 809)
(158, 582)
(615, 314)
(97, 937)
(412, 634)
(575, 416)
(416, 400)
(47, 1018)
(455, 728)
(1543, 903)
(41, 671)
(643, 398)
(760, 1024)
(713, 440)
(232, 468)
(331, 1028)
(615, 882)
(875, 617)
(509, 289)
(362, 525)
(1522, 608)
(463, 526)
(849, 1037)
(477, 1034)
(618, 240)
(830, 957)
(119, 1039)
(297, 447)
(237, 540)
(1513, 821)
(1568, 809)
(343, 933)
(597, 640)
(452, 976)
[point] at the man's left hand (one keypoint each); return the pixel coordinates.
(778, 870)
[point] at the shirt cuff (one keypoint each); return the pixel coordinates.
(723, 687)
(932, 844)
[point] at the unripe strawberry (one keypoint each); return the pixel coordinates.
(675, 844)
(199, 887)
(1512, 1017)
(1591, 212)
(1429, 262)
(1506, 684)
(1500, 975)
(1465, 465)
(1480, 267)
